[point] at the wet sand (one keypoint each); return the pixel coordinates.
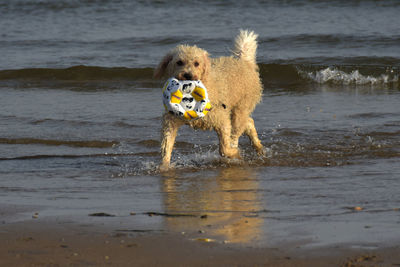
(56, 242)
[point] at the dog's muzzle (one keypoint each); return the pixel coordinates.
(185, 76)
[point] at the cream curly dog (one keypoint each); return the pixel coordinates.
(234, 89)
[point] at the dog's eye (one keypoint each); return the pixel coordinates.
(179, 63)
(196, 64)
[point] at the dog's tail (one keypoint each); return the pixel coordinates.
(246, 46)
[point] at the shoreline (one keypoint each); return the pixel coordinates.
(65, 243)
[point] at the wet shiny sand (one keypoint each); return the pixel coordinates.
(43, 242)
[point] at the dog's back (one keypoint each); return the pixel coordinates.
(236, 79)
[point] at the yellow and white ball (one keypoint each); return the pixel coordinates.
(186, 99)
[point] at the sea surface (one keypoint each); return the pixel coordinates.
(80, 120)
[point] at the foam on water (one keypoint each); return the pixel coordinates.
(336, 76)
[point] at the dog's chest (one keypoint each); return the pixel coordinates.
(203, 124)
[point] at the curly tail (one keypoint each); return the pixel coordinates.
(246, 46)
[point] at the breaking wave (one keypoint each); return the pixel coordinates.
(354, 77)
(356, 71)
(294, 74)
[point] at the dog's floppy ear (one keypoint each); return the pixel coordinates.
(160, 70)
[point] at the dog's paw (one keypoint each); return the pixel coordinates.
(164, 167)
(231, 153)
(262, 151)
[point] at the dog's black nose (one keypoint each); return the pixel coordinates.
(187, 76)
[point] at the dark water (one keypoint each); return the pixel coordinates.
(80, 118)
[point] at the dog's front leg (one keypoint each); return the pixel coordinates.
(170, 128)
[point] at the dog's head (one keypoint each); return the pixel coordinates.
(184, 63)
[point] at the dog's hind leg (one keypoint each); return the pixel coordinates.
(243, 123)
(251, 132)
(170, 128)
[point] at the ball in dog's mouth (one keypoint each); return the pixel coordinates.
(187, 99)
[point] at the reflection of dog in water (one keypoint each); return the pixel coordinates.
(234, 89)
(230, 199)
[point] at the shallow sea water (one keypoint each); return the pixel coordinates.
(80, 121)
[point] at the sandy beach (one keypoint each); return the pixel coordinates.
(55, 242)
